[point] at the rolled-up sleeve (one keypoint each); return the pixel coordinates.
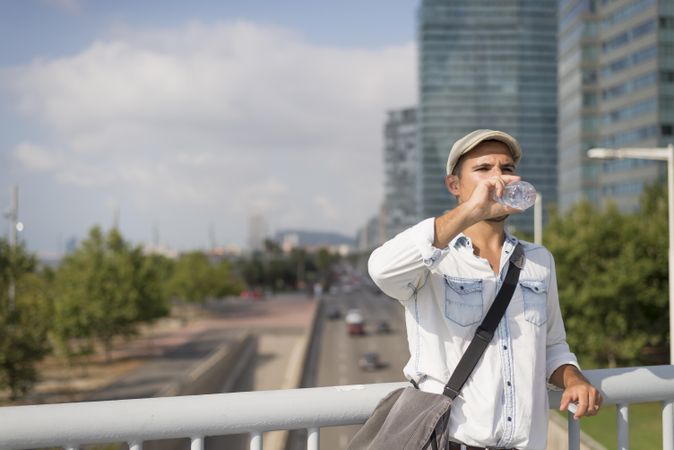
(557, 349)
(399, 266)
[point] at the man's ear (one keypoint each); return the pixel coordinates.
(452, 182)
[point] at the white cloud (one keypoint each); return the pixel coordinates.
(234, 118)
(37, 158)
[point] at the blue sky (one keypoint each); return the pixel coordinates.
(179, 115)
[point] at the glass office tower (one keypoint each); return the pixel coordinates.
(616, 89)
(487, 64)
(400, 171)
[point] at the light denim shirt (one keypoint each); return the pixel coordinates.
(504, 403)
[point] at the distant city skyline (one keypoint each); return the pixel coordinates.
(190, 118)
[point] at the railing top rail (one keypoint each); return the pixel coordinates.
(202, 415)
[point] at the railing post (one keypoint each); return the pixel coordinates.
(574, 433)
(197, 443)
(668, 425)
(256, 440)
(622, 414)
(313, 439)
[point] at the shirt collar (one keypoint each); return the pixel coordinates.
(463, 241)
(510, 240)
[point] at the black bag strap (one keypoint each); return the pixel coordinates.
(485, 332)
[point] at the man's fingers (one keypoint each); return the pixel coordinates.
(595, 402)
(581, 409)
(592, 406)
(510, 178)
(587, 403)
(499, 185)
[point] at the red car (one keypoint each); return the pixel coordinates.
(253, 294)
(355, 322)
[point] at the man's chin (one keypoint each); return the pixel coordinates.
(498, 219)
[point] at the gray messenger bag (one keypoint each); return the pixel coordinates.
(410, 419)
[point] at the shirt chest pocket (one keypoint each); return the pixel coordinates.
(535, 298)
(463, 300)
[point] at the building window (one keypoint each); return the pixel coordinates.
(643, 81)
(631, 136)
(628, 61)
(627, 12)
(629, 112)
(629, 36)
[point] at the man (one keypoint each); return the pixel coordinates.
(455, 264)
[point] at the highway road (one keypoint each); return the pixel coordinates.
(337, 359)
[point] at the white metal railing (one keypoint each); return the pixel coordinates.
(70, 425)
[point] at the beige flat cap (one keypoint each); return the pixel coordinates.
(472, 139)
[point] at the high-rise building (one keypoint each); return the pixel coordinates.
(616, 89)
(577, 71)
(400, 171)
(487, 64)
(257, 232)
(371, 235)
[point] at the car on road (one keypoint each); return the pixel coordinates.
(369, 361)
(253, 294)
(332, 312)
(355, 322)
(383, 327)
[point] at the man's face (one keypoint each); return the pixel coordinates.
(488, 159)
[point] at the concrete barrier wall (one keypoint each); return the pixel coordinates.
(297, 365)
(218, 372)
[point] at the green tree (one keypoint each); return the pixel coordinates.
(612, 277)
(225, 282)
(193, 278)
(325, 262)
(253, 271)
(103, 290)
(23, 325)
(648, 243)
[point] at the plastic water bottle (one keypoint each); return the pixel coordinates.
(519, 195)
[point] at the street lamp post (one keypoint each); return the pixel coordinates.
(538, 220)
(14, 226)
(659, 154)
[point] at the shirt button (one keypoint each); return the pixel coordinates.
(510, 419)
(505, 347)
(509, 384)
